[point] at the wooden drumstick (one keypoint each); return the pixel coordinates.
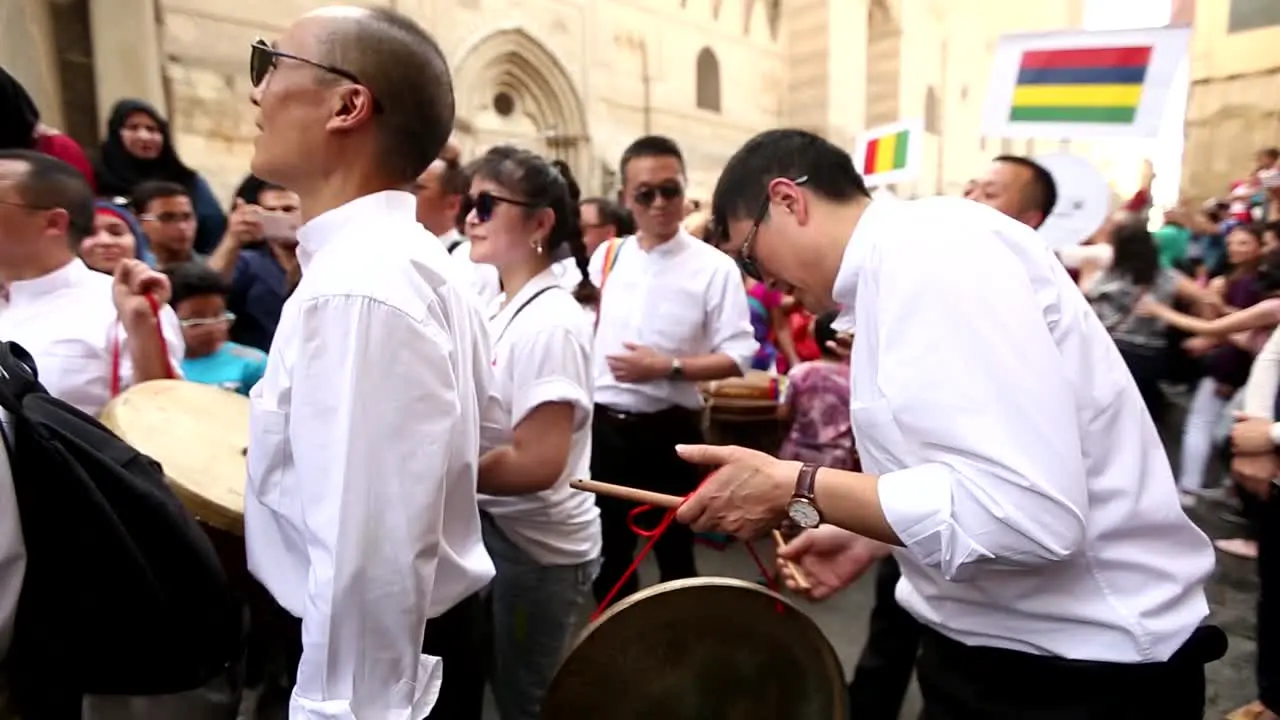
(646, 497)
(791, 567)
(630, 494)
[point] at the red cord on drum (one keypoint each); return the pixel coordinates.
(653, 536)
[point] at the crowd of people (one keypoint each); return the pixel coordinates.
(388, 304)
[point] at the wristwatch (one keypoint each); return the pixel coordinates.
(801, 509)
(677, 369)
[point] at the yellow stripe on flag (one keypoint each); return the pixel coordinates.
(1077, 95)
(886, 147)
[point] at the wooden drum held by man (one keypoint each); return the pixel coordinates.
(199, 435)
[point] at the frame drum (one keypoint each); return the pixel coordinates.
(705, 648)
(199, 434)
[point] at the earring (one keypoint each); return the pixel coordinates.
(536, 246)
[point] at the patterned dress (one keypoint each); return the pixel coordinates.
(821, 431)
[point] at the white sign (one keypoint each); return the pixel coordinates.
(1084, 200)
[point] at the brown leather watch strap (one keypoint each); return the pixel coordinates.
(805, 479)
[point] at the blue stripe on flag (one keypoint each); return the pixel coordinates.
(1081, 76)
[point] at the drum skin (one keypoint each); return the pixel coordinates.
(700, 649)
(199, 434)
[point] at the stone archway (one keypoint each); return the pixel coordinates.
(511, 89)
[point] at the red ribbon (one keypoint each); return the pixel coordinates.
(653, 536)
(115, 347)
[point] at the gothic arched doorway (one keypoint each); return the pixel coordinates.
(511, 89)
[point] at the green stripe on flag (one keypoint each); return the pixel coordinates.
(900, 150)
(1073, 114)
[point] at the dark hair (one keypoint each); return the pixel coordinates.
(194, 279)
(454, 179)
(405, 70)
(744, 182)
(1270, 152)
(251, 189)
(609, 212)
(50, 183)
(1042, 194)
(19, 115)
(541, 185)
(1256, 229)
(464, 208)
(1273, 227)
(823, 333)
(649, 146)
(1268, 274)
(1136, 255)
(151, 190)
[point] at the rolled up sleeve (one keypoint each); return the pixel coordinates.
(379, 429)
(973, 378)
(728, 316)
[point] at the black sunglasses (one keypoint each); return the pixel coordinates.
(484, 203)
(669, 191)
(746, 260)
(263, 58)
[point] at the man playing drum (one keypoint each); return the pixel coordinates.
(1010, 463)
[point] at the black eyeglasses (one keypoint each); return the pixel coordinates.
(485, 203)
(669, 191)
(745, 259)
(263, 58)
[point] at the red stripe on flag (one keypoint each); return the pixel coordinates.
(1105, 57)
(869, 158)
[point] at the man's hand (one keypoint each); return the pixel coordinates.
(245, 224)
(1251, 435)
(1255, 473)
(640, 363)
(830, 558)
(1199, 345)
(746, 497)
(133, 282)
(842, 346)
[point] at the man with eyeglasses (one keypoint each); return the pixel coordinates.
(1009, 461)
(169, 220)
(361, 513)
(673, 313)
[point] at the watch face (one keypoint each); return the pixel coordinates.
(803, 513)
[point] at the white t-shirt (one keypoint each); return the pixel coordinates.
(542, 354)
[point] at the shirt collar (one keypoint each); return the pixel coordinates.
(451, 237)
(546, 278)
(68, 276)
(672, 247)
(856, 254)
(328, 226)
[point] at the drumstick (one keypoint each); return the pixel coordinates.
(630, 494)
(790, 566)
(645, 497)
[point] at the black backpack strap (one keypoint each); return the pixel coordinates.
(18, 376)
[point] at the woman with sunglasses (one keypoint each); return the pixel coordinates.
(544, 537)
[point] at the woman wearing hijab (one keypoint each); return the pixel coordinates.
(21, 129)
(138, 148)
(117, 235)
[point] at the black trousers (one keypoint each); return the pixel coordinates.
(638, 450)
(884, 669)
(1268, 631)
(1148, 368)
(459, 637)
(962, 682)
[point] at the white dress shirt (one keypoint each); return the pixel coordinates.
(1017, 461)
(482, 278)
(365, 435)
(67, 320)
(542, 354)
(682, 298)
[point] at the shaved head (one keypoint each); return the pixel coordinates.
(405, 70)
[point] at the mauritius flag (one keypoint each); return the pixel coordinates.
(1093, 85)
(1086, 84)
